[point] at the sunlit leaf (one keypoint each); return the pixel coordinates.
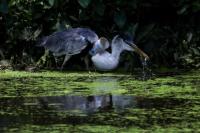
(197, 65)
(51, 2)
(84, 3)
(73, 18)
(36, 33)
(61, 25)
(195, 51)
(182, 10)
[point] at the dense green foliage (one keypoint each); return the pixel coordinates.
(168, 31)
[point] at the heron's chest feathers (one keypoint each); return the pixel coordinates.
(104, 61)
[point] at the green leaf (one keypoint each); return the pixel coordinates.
(4, 6)
(73, 18)
(51, 2)
(100, 8)
(120, 19)
(36, 34)
(83, 15)
(196, 6)
(60, 25)
(84, 3)
(182, 10)
(132, 28)
(195, 51)
(144, 32)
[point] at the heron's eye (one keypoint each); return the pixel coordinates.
(95, 49)
(92, 52)
(103, 41)
(99, 46)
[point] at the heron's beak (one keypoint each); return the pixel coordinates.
(142, 54)
(96, 49)
(92, 52)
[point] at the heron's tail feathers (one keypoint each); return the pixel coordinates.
(42, 41)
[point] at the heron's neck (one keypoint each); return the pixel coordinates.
(116, 51)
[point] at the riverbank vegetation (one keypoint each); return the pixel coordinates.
(168, 31)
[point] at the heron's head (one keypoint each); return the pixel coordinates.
(126, 43)
(104, 42)
(100, 46)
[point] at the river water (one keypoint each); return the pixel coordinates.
(99, 103)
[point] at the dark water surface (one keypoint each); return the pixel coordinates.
(99, 103)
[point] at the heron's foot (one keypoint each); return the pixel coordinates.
(91, 74)
(61, 68)
(58, 68)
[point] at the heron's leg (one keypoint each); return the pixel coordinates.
(86, 60)
(56, 61)
(95, 70)
(1, 54)
(67, 57)
(43, 59)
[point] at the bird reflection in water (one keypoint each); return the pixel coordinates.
(89, 104)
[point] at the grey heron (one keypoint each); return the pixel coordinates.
(106, 61)
(73, 41)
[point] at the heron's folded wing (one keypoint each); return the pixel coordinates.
(70, 41)
(61, 41)
(68, 45)
(90, 35)
(74, 45)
